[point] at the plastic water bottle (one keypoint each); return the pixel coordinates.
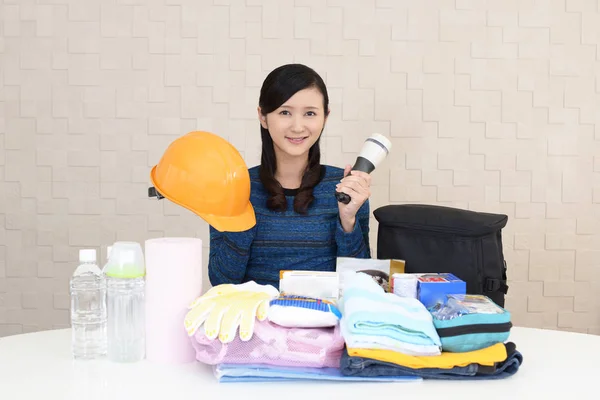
(88, 308)
(125, 278)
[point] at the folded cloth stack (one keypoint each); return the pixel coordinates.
(307, 344)
(389, 335)
(374, 319)
(251, 332)
(495, 362)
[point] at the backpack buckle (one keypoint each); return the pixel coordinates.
(493, 285)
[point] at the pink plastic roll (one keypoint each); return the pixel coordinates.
(173, 281)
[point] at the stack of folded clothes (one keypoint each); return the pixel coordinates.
(389, 335)
(495, 362)
(255, 333)
(299, 340)
(374, 319)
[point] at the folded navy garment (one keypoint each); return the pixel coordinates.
(366, 367)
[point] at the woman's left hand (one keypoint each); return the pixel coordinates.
(357, 185)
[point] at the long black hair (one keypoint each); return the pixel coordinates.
(281, 84)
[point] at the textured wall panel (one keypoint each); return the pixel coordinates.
(492, 106)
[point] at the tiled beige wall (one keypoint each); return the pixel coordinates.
(491, 105)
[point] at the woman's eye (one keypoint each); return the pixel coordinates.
(284, 112)
(311, 113)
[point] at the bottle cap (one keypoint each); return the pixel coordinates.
(87, 255)
(127, 256)
(126, 261)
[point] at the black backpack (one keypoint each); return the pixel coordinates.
(433, 238)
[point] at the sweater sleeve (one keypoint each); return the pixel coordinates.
(228, 255)
(355, 243)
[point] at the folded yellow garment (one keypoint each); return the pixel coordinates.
(446, 360)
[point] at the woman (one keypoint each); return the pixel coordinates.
(300, 225)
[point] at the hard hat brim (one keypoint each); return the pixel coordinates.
(237, 223)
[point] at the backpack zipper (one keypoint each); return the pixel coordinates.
(443, 229)
(474, 328)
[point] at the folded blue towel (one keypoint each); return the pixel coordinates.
(368, 310)
(263, 373)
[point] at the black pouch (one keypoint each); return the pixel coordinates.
(433, 238)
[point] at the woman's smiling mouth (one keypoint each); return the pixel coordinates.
(297, 140)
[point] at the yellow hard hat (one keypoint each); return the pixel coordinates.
(206, 174)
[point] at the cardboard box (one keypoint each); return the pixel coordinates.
(433, 288)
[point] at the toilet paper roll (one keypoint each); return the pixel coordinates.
(173, 280)
(405, 285)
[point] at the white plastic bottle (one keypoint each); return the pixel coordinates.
(88, 308)
(125, 278)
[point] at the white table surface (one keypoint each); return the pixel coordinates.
(39, 366)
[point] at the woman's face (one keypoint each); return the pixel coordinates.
(297, 124)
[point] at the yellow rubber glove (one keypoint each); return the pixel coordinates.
(225, 307)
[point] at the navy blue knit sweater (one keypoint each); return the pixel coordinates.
(288, 240)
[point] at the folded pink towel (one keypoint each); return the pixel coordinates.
(272, 344)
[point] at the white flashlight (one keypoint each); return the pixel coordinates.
(374, 151)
